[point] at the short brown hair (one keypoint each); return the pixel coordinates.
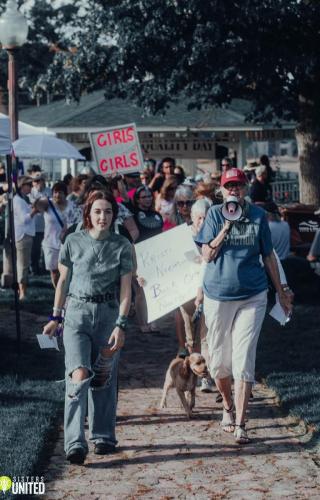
(60, 187)
(206, 190)
(94, 196)
(76, 181)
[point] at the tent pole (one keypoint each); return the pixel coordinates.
(15, 285)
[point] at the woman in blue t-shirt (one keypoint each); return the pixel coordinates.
(235, 296)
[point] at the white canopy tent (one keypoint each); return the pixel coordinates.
(24, 130)
(45, 147)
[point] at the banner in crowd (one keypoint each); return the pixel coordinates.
(117, 150)
(170, 265)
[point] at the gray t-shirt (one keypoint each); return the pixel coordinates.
(280, 235)
(96, 265)
(236, 273)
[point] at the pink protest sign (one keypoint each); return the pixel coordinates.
(117, 149)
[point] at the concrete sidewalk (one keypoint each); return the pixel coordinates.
(162, 455)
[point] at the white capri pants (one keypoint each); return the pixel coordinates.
(233, 332)
(51, 258)
(23, 248)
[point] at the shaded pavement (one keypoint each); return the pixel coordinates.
(162, 455)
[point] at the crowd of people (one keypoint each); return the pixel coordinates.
(83, 230)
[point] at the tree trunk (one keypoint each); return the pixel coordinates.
(309, 158)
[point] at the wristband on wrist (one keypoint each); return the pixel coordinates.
(57, 310)
(122, 322)
(56, 318)
(285, 288)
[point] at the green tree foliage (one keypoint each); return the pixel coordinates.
(47, 35)
(154, 52)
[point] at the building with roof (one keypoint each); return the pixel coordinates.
(187, 135)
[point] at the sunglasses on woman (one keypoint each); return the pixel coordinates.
(185, 203)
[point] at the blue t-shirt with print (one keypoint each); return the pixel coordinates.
(237, 272)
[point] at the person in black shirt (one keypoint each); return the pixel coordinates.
(264, 160)
(260, 190)
(149, 223)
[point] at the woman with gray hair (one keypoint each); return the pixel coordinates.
(196, 330)
(183, 201)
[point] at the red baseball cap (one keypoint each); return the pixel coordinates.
(233, 175)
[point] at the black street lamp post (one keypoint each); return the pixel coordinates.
(13, 34)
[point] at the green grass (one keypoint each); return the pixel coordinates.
(40, 295)
(31, 399)
(288, 360)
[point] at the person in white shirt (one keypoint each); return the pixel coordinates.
(39, 190)
(24, 226)
(59, 214)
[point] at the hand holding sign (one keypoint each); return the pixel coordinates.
(117, 149)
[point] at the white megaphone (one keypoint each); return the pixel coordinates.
(231, 209)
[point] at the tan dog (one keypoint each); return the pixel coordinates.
(182, 374)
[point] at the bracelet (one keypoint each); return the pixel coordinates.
(285, 288)
(57, 310)
(122, 322)
(212, 248)
(56, 318)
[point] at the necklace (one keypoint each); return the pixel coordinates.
(97, 256)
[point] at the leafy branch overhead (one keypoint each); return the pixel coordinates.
(156, 51)
(47, 35)
(206, 53)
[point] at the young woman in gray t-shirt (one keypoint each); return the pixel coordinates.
(100, 265)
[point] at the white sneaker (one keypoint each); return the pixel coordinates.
(206, 385)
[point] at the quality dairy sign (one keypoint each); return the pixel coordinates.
(117, 149)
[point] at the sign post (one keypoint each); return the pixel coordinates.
(117, 150)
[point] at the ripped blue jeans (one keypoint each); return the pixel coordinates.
(87, 328)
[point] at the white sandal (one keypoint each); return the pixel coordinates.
(228, 421)
(241, 434)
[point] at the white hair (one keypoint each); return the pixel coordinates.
(200, 207)
(183, 191)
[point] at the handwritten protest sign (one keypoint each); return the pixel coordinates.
(170, 265)
(117, 149)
